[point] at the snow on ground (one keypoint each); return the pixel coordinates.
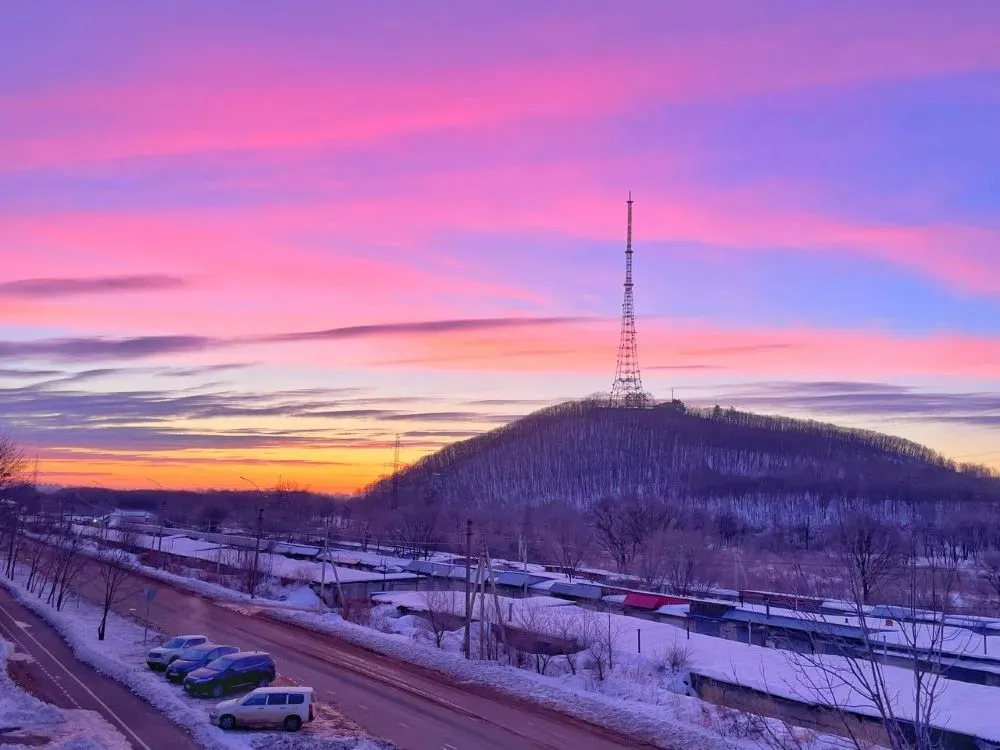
(122, 656)
(641, 697)
(274, 565)
(371, 559)
(26, 720)
(963, 706)
(299, 596)
(454, 601)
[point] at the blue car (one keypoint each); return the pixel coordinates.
(195, 658)
(229, 673)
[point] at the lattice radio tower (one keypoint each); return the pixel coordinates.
(627, 388)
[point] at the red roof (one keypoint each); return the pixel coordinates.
(650, 601)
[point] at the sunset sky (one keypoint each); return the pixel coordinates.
(262, 239)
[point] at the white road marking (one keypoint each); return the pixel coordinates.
(44, 671)
(79, 682)
(22, 625)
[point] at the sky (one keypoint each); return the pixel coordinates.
(244, 241)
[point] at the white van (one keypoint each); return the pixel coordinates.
(288, 707)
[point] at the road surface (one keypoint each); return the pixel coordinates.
(418, 709)
(57, 677)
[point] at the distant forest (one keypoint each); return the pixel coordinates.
(578, 453)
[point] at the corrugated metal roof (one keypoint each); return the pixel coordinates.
(645, 600)
(438, 570)
(574, 590)
(817, 627)
(517, 578)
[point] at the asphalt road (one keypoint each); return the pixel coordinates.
(57, 677)
(416, 708)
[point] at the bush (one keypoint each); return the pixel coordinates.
(673, 659)
(357, 611)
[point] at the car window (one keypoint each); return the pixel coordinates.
(220, 665)
(195, 641)
(256, 700)
(277, 699)
(296, 699)
(174, 643)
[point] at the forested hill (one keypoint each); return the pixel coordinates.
(579, 452)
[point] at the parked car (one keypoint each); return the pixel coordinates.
(195, 658)
(162, 657)
(228, 673)
(288, 707)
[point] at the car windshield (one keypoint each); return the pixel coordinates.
(219, 664)
(174, 643)
(195, 653)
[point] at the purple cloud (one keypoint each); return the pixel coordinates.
(53, 287)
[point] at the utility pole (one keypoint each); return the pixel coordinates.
(326, 554)
(159, 542)
(395, 474)
(256, 551)
(468, 604)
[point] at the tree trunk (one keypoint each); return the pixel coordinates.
(102, 628)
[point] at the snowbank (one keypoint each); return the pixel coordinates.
(26, 718)
(634, 700)
(672, 724)
(17, 708)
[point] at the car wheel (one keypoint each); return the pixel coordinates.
(227, 722)
(293, 723)
(264, 681)
(217, 691)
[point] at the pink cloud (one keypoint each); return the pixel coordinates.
(793, 352)
(258, 94)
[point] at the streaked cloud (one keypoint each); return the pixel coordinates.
(54, 287)
(296, 236)
(854, 399)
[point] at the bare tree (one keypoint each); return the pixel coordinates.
(622, 524)
(249, 567)
(115, 569)
(845, 673)
(603, 634)
(568, 540)
(870, 551)
(415, 528)
(442, 606)
(13, 464)
(13, 471)
(989, 570)
(690, 565)
(68, 562)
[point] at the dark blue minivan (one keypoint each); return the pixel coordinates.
(228, 673)
(195, 658)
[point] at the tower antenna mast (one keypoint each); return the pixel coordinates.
(627, 389)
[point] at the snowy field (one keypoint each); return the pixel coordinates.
(122, 656)
(27, 721)
(963, 707)
(276, 565)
